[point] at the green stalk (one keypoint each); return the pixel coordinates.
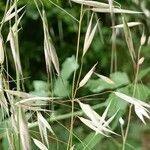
(74, 78)
(130, 108)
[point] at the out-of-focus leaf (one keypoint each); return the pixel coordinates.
(143, 73)
(40, 85)
(62, 87)
(117, 103)
(90, 141)
(142, 92)
(41, 88)
(68, 67)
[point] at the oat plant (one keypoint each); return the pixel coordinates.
(30, 121)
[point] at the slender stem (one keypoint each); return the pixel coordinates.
(77, 49)
(130, 108)
(113, 55)
(78, 77)
(74, 77)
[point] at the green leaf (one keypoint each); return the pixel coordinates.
(41, 88)
(120, 79)
(143, 73)
(117, 103)
(40, 85)
(68, 67)
(90, 141)
(62, 87)
(142, 92)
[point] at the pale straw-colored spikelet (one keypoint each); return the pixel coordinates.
(87, 77)
(1, 50)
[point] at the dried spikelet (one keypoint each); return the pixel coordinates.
(10, 139)
(140, 107)
(143, 39)
(128, 37)
(49, 49)
(34, 99)
(1, 50)
(14, 27)
(130, 24)
(3, 101)
(121, 121)
(95, 121)
(89, 36)
(39, 144)
(115, 10)
(72, 148)
(87, 77)
(44, 122)
(43, 126)
(15, 52)
(10, 15)
(104, 78)
(19, 94)
(92, 3)
(141, 60)
(23, 130)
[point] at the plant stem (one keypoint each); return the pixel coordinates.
(74, 78)
(130, 108)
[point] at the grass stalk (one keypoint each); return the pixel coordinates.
(133, 94)
(74, 78)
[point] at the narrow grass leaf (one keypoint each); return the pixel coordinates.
(87, 77)
(92, 3)
(130, 24)
(104, 78)
(115, 10)
(39, 144)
